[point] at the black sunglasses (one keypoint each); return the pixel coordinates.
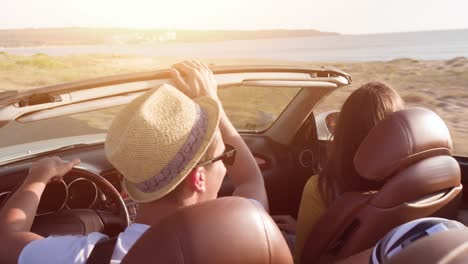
(228, 157)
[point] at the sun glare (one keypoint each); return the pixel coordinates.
(200, 14)
(357, 16)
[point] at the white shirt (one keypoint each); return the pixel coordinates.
(76, 249)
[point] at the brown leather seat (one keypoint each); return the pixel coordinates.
(448, 247)
(410, 151)
(225, 230)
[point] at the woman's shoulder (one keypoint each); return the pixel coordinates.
(312, 182)
(311, 189)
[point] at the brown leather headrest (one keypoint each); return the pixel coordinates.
(425, 177)
(401, 139)
(225, 230)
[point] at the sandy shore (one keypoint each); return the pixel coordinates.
(439, 85)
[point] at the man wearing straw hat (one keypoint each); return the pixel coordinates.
(171, 147)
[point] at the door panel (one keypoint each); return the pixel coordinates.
(286, 168)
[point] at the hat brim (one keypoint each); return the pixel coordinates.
(211, 108)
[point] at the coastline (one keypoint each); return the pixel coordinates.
(36, 37)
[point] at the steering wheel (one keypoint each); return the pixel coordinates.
(85, 221)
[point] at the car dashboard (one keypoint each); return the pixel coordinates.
(75, 191)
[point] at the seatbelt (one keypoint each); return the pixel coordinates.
(102, 252)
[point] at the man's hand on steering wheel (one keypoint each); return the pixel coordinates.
(50, 169)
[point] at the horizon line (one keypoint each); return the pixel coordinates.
(234, 30)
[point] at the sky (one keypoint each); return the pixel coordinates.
(343, 16)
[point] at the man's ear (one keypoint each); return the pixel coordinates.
(197, 179)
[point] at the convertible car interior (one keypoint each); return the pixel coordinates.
(288, 141)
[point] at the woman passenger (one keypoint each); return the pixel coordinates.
(363, 109)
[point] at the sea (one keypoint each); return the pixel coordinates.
(427, 45)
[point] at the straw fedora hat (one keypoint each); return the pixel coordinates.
(158, 138)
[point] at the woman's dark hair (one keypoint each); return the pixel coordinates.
(363, 109)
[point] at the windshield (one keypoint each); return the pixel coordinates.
(74, 125)
(251, 109)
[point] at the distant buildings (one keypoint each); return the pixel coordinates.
(139, 37)
(167, 36)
